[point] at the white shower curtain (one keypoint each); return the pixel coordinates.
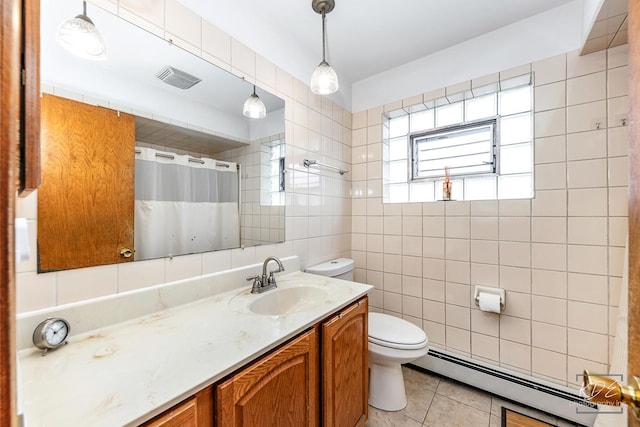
(184, 205)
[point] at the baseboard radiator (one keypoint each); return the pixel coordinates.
(536, 393)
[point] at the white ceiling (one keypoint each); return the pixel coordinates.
(365, 37)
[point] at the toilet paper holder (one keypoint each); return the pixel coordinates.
(490, 290)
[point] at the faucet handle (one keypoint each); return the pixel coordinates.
(257, 280)
(257, 283)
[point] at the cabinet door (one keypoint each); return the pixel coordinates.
(196, 411)
(278, 390)
(86, 200)
(345, 369)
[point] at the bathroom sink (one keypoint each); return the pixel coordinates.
(288, 300)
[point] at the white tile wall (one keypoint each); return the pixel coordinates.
(559, 255)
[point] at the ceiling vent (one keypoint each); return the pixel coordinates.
(177, 78)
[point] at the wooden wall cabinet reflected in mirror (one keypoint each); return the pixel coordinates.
(87, 188)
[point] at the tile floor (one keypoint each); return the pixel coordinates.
(434, 401)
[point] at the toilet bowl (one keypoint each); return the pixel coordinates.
(392, 342)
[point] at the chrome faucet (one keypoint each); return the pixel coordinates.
(264, 283)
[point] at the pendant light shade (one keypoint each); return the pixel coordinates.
(324, 80)
(81, 37)
(254, 107)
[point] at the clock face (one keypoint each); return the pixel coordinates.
(51, 333)
(56, 333)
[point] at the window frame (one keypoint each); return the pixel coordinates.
(493, 122)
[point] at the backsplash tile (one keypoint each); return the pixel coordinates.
(85, 283)
(142, 274)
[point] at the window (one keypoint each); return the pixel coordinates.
(483, 136)
(463, 150)
(272, 162)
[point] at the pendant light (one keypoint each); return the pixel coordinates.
(81, 37)
(254, 107)
(324, 80)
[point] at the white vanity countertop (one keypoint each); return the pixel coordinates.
(127, 373)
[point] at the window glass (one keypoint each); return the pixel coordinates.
(515, 159)
(449, 114)
(398, 171)
(481, 188)
(422, 191)
(398, 126)
(481, 107)
(515, 100)
(515, 129)
(397, 149)
(422, 121)
(514, 186)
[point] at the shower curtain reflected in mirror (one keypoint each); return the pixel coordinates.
(180, 203)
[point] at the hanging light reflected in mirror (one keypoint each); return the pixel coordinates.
(81, 37)
(254, 107)
(324, 80)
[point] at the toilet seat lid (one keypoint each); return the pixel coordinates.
(391, 331)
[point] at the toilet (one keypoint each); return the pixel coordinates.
(339, 268)
(392, 342)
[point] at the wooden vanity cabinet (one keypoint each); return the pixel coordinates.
(278, 390)
(196, 411)
(345, 370)
(325, 367)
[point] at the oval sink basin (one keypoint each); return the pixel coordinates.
(288, 300)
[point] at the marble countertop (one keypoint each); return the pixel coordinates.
(125, 374)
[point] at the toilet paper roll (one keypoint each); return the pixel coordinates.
(489, 302)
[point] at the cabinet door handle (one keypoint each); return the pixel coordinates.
(126, 253)
(340, 315)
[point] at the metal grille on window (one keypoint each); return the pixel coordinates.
(465, 150)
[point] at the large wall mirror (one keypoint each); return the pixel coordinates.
(135, 168)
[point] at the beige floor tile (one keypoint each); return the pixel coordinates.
(420, 388)
(378, 418)
(495, 421)
(445, 412)
(465, 394)
(427, 380)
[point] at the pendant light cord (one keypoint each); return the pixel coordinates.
(324, 37)
(84, 8)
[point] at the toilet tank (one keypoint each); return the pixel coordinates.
(339, 268)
